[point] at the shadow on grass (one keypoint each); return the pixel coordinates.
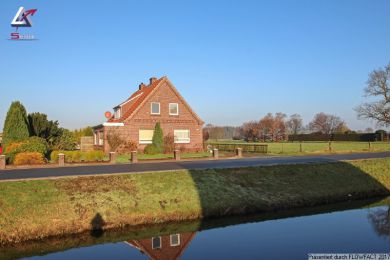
(224, 192)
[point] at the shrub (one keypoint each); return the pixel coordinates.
(114, 141)
(151, 149)
(67, 140)
(169, 143)
(99, 156)
(32, 144)
(77, 156)
(29, 158)
(73, 156)
(35, 144)
(16, 124)
(158, 136)
(54, 155)
(89, 156)
(128, 147)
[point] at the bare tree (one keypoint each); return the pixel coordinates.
(377, 87)
(279, 127)
(326, 124)
(380, 220)
(114, 140)
(216, 132)
(250, 130)
(266, 127)
(272, 127)
(294, 124)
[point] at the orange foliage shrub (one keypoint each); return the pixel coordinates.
(13, 146)
(29, 158)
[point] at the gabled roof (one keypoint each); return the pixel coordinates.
(138, 98)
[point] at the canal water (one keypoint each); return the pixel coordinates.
(354, 227)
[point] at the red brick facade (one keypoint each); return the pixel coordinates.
(135, 115)
(166, 250)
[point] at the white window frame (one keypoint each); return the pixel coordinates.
(155, 247)
(169, 108)
(144, 141)
(184, 141)
(117, 113)
(178, 239)
(101, 138)
(151, 108)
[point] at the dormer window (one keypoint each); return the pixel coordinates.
(155, 108)
(117, 113)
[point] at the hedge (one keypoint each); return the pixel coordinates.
(351, 137)
(77, 156)
(29, 158)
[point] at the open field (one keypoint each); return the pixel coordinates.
(41, 208)
(293, 148)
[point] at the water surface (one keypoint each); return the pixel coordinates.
(358, 227)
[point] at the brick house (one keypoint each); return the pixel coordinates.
(169, 247)
(135, 118)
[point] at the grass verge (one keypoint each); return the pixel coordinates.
(304, 148)
(41, 208)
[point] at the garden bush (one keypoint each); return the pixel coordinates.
(169, 143)
(151, 149)
(29, 158)
(32, 144)
(128, 147)
(158, 138)
(73, 156)
(77, 156)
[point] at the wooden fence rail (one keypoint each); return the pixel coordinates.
(252, 148)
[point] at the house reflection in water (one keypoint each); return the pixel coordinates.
(167, 247)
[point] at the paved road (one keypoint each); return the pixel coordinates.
(15, 174)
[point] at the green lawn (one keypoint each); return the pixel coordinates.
(124, 158)
(40, 208)
(291, 148)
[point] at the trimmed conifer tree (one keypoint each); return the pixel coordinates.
(158, 138)
(16, 124)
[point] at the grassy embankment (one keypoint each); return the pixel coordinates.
(41, 208)
(293, 148)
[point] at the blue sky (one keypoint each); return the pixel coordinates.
(233, 61)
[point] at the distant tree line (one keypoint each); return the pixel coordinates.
(280, 127)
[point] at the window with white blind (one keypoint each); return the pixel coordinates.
(145, 136)
(182, 136)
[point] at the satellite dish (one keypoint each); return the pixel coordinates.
(108, 114)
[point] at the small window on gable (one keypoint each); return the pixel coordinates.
(173, 109)
(175, 240)
(155, 108)
(117, 113)
(156, 242)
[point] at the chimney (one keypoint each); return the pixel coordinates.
(152, 80)
(141, 86)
